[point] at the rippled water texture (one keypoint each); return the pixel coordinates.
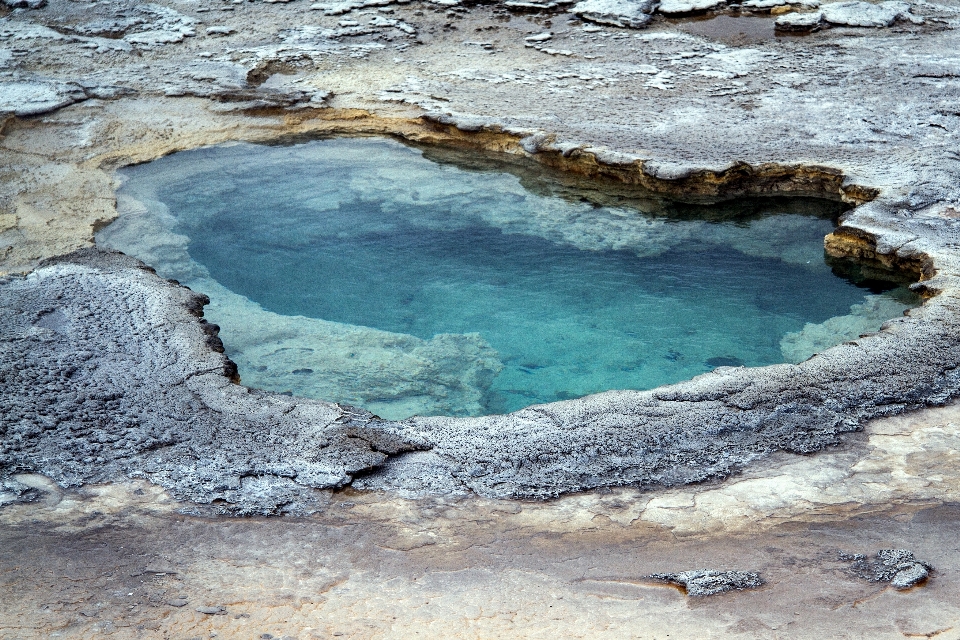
(369, 272)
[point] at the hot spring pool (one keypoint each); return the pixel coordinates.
(421, 282)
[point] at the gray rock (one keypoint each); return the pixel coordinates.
(212, 611)
(106, 92)
(337, 8)
(619, 13)
(523, 5)
(25, 4)
(769, 4)
(898, 567)
(107, 28)
(161, 26)
(15, 492)
(540, 37)
(909, 574)
(865, 14)
(799, 21)
(36, 97)
(672, 7)
(705, 582)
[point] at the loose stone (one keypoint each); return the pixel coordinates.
(707, 582)
(799, 21)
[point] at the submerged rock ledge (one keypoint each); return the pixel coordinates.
(110, 372)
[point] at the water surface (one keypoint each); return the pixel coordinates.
(541, 288)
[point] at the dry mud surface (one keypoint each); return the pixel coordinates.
(125, 443)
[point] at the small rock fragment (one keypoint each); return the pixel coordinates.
(706, 582)
(912, 574)
(212, 611)
(539, 37)
(899, 567)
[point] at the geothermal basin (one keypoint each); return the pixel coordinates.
(421, 282)
(385, 461)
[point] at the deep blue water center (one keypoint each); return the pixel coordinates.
(577, 289)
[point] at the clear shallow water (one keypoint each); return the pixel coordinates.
(558, 295)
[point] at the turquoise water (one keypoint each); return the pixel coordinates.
(576, 289)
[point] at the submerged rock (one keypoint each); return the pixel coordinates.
(706, 582)
(863, 318)
(395, 375)
(619, 13)
(724, 361)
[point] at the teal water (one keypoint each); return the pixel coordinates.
(577, 289)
